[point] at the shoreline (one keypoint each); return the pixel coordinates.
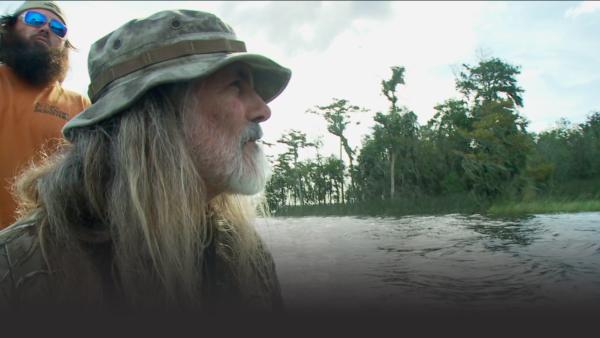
(432, 207)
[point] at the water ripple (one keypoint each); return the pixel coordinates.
(441, 261)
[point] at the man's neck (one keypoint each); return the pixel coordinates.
(24, 82)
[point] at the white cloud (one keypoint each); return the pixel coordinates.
(584, 7)
(300, 26)
(345, 49)
(424, 38)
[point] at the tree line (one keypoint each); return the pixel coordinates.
(476, 144)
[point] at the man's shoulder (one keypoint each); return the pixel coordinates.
(4, 70)
(71, 93)
(74, 96)
(18, 233)
(5, 74)
(21, 261)
(18, 246)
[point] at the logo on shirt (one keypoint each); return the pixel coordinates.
(52, 110)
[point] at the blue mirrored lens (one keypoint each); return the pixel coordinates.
(35, 18)
(58, 28)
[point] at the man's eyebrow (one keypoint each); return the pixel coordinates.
(244, 74)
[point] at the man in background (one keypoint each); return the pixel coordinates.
(34, 59)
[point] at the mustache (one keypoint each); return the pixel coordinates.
(42, 34)
(252, 132)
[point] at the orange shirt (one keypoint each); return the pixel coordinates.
(30, 118)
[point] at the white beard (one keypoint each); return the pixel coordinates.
(226, 163)
(251, 173)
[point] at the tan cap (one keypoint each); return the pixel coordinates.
(47, 5)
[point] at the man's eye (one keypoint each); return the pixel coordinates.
(237, 84)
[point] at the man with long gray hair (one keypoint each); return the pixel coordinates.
(146, 206)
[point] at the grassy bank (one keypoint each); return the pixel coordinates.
(460, 203)
(436, 207)
(574, 196)
(545, 206)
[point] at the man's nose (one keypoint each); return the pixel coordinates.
(45, 28)
(259, 111)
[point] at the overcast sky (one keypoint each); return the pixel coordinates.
(345, 49)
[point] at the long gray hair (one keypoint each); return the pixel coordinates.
(128, 189)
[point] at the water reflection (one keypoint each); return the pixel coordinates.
(520, 231)
(437, 262)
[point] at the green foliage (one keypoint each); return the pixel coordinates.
(388, 87)
(545, 206)
(573, 150)
(401, 206)
(498, 150)
(490, 80)
(475, 152)
(482, 136)
(309, 182)
(295, 140)
(397, 133)
(371, 174)
(448, 132)
(452, 183)
(337, 116)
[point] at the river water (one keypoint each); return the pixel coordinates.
(437, 262)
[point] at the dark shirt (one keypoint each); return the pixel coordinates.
(25, 278)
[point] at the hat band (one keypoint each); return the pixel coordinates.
(161, 54)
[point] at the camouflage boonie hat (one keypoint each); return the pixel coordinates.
(169, 46)
(47, 5)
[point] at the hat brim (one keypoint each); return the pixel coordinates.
(270, 79)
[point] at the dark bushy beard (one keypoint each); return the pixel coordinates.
(36, 64)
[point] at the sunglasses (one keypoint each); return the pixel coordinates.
(37, 19)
